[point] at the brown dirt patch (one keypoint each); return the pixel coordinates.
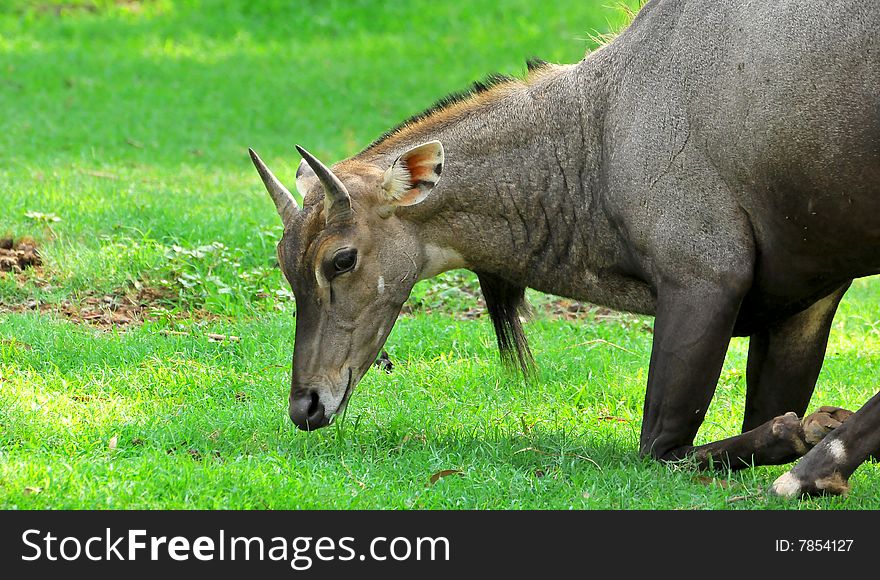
(17, 256)
(557, 308)
(566, 309)
(112, 310)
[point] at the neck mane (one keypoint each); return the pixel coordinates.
(447, 107)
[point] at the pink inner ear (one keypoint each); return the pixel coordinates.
(410, 197)
(419, 165)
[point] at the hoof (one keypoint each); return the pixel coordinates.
(823, 422)
(789, 430)
(789, 486)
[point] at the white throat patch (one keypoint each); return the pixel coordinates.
(440, 260)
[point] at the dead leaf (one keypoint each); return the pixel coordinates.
(722, 483)
(167, 332)
(101, 174)
(420, 437)
(737, 498)
(612, 418)
(441, 474)
(221, 337)
(539, 473)
(15, 343)
(42, 217)
(111, 445)
(32, 490)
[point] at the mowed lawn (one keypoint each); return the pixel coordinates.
(146, 363)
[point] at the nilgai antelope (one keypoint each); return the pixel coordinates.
(717, 166)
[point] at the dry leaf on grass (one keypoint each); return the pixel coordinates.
(14, 343)
(101, 174)
(221, 337)
(420, 437)
(167, 332)
(111, 445)
(441, 474)
(212, 336)
(32, 490)
(723, 483)
(612, 418)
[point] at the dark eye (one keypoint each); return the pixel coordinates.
(344, 261)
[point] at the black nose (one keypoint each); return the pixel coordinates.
(306, 410)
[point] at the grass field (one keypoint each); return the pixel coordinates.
(123, 156)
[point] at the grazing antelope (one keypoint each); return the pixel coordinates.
(716, 166)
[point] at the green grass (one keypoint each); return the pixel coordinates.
(130, 123)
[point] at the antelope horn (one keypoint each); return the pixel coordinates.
(284, 201)
(337, 202)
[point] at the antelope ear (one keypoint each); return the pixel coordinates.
(413, 175)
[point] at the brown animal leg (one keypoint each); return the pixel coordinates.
(827, 467)
(691, 333)
(779, 440)
(784, 362)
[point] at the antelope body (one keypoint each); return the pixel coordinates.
(717, 166)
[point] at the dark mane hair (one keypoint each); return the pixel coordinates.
(506, 303)
(491, 81)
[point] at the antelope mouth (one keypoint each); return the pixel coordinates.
(345, 396)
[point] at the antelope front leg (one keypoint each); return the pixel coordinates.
(784, 362)
(691, 335)
(692, 331)
(827, 467)
(780, 440)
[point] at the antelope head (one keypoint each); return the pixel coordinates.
(351, 262)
